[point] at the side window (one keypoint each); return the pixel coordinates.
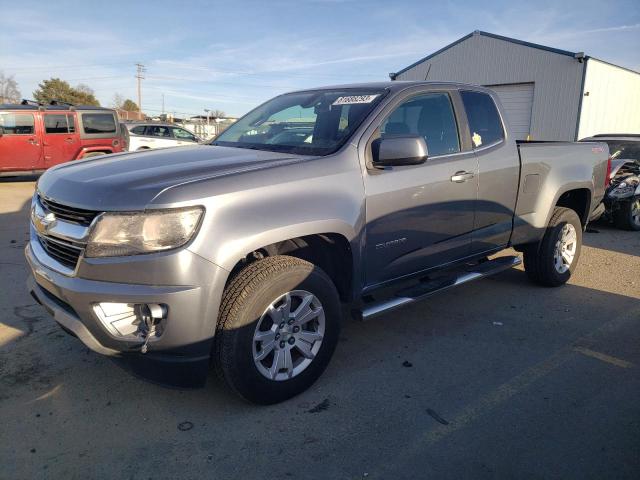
(139, 130)
(16, 123)
(158, 131)
(71, 120)
(102, 123)
(182, 134)
(484, 120)
(430, 116)
(55, 123)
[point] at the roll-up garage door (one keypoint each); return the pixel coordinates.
(517, 100)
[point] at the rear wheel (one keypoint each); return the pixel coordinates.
(627, 217)
(277, 329)
(552, 261)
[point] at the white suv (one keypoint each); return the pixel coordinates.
(156, 135)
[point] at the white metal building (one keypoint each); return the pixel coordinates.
(547, 93)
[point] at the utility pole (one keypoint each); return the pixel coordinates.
(163, 103)
(140, 76)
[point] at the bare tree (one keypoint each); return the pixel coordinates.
(9, 92)
(118, 100)
(86, 89)
(217, 114)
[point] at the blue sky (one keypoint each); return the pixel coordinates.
(234, 55)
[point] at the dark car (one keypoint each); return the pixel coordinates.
(622, 200)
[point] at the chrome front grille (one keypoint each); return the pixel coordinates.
(59, 233)
(67, 213)
(61, 251)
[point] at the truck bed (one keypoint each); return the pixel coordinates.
(547, 169)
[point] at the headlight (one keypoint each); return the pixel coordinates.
(625, 189)
(118, 234)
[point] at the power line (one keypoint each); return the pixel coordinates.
(64, 67)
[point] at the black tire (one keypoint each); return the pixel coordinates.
(93, 154)
(623, 216)
(245, 300)
(539, 258)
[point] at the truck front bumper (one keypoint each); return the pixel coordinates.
(181, 355)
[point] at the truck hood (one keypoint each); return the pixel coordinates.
(130, 181)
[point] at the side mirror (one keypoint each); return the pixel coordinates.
(399, 151)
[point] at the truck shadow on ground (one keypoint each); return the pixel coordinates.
(604, 235)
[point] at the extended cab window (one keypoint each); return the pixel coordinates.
(98, 123)
(430, 116)
(56, 123)
(16, 124)
(484, 120)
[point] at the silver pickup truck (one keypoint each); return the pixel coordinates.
(242, 254)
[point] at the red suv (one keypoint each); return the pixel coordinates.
(34, 138)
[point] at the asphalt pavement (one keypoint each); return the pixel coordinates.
(496, 379)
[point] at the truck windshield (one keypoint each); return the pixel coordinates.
(318, 122)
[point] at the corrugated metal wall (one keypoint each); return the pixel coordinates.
(613, 101)
(484, 60)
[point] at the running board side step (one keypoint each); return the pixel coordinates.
(426, 289)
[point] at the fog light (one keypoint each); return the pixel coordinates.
(131, 321)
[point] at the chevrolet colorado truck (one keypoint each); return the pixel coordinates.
(242, 254)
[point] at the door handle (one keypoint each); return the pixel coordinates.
(32, 141)
(68, 140)
(462, 176)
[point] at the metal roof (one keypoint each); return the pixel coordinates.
(491, 35)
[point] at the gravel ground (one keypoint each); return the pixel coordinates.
(496, 379)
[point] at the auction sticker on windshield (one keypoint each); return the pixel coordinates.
(353, 99)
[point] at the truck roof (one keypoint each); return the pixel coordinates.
(393, 86)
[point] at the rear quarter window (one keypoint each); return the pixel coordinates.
(16, 123)
(138, 130)
(102, 123)
(485, 124)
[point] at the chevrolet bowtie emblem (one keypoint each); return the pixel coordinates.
(44, 222)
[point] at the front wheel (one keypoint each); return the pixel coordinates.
(552, 261)
(627, 217)
(277, 329)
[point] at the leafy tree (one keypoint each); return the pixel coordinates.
(56, 89)
(130, 106)
(9, 92)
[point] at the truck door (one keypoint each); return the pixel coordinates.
(61, 141)
(499, 172)
(421, 216)
(20, 147)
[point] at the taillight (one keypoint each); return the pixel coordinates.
(607, 178)
(115, 143)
